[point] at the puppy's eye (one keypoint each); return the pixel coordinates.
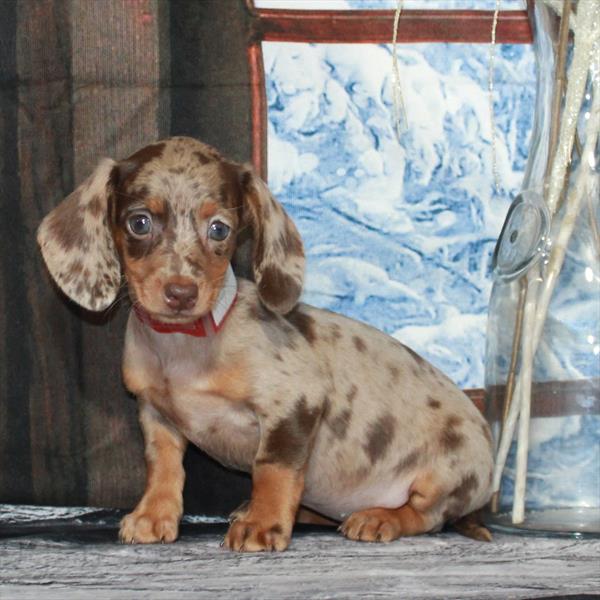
(218, 231)
(139, 224)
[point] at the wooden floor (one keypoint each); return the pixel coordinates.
(73, 553)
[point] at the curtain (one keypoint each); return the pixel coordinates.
(80, 80)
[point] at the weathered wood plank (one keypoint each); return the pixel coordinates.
(318, 564)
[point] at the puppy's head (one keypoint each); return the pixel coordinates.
(170, 217)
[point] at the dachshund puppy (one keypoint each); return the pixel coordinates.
(323, 411)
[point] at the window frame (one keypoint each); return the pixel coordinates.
(364, 27)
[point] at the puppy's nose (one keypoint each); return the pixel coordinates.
(180, 296)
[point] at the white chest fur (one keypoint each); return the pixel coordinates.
(175, 372)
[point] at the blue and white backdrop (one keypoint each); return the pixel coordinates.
(400, 233)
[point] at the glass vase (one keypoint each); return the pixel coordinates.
(543, 339)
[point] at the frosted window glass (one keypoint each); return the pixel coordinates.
(400, 235)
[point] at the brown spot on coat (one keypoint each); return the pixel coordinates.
(231, 188)
(418, 359)
(379, 437)
(125, 171)
(463, 492)
(288, 443)
(394, 373)
(66, 224)
(335, 332)
(258, 312)
(304, 323)
(359, 343)
(73, 271)
(146, 154)
(202, 157)
(433, 403)
(352, 393)
(96, 206)
(450, 438)
(339, 423)
(140, 248)
(195, 265)
(408, 462)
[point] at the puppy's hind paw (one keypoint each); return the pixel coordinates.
(472, 526)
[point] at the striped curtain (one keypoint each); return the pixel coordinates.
(80, 80)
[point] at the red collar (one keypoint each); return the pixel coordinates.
(202, 327)
(207, 325)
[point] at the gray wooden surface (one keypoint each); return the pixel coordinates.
(85, 561)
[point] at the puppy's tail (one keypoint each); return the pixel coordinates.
(472, 526)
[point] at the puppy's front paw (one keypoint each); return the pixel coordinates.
(251, 536)
(147, 527)
(240, 512)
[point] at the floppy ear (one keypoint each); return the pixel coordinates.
(77, 244)
(278, 256)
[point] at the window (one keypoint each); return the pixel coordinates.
(399, 235)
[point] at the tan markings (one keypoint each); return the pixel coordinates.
(232, 382)
(156, 206)
(138, 380)
(156, 517)
(411, 521)
(208, 209)
(215, 269)
(148, 285)
(142, 268)
(425, 492)
(267, 523)
(147, 270)
(142, 282)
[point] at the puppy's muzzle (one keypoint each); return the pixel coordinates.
(181, 296)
